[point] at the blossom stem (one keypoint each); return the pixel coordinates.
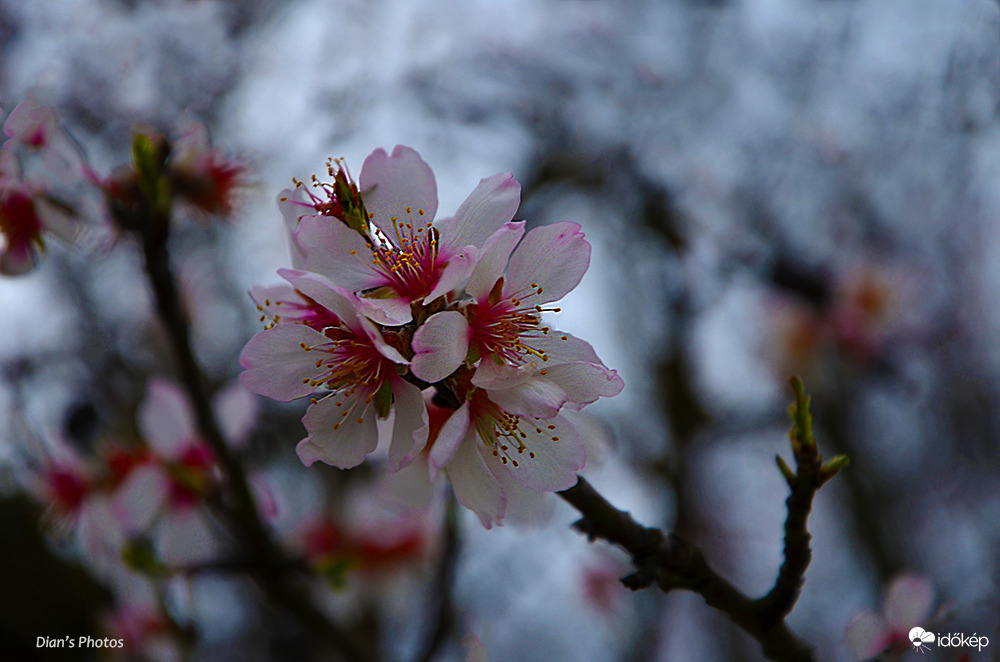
(271, 565)
(672, 563)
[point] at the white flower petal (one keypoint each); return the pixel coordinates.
(908, 602)
(867, 635)
(140, 498)
(339, 436)
(536, 397)
(391, 184)
(338, 252)
(456, 273)
(390, 312)
(384, 348)
(558, 455)
(324, 292)
(454, 430)
(410, 427)
(475, 487)
(440, 345)
(236, 409)
(491, 375)
(492, 203)
(185, 537)
(165, 418)
(562, 347)
(525, 506)
(276, 364)
(584, 383)
(554, 257)
(493, 260)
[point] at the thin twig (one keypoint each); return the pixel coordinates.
(672, 563)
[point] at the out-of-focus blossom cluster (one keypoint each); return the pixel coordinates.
(35, 206)
(139, 509)
(389, 310)
(854, 318)
(30, 209)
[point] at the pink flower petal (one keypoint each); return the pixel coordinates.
(31, 124)
(453, 433)
(318, 288)
(17, 260)
(385, 349)
(56, 220)
(395, 311)
(440, 345)
(908, 602)
(475, 649)
(236, 409)
(491, 204)
(338, 252)
(536, 397)
(165, 418)
(554, 256)
(456, 273)
(139, 499)
(475, 487)
(339, 436)
(276, 364)
(410, 427)
(867, 635)
(392, 184)
(584, 383)
(263, 495)
(559, 455)
(493, 260)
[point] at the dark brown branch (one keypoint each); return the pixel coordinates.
(672, 563)
(809, 476)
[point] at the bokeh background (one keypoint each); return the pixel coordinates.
(771, 187)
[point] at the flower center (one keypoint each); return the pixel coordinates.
(348, 361)
(18, 221)
(504, 432)
(408, 258)
(504, 329)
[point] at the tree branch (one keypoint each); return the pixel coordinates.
(672, 563)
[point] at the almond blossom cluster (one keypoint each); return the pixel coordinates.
(28, 209)
(389, 310)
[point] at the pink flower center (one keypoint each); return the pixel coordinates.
(66, 488)
(18, 221)
(409, 258)
(191, 475)
(505, 329)
(349, 360)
